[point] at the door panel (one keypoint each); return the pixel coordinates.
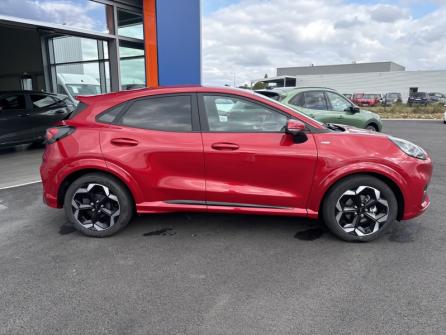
(249, 160)
(13, 119)
(338, 104)
(267, 169)
(167, 162)
(167, 166)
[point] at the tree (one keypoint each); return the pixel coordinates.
(260, 85)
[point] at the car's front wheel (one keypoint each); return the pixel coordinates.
(359, 208)
(98, 205)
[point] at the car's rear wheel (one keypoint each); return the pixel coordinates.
(359, 208)
(98, 205)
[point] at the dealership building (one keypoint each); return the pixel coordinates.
(98, 46)
(378, 77)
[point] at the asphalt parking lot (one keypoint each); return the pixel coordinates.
(224, 274)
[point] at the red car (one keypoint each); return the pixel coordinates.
(371, 100)
(230, 151)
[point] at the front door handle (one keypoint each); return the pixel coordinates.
(24, 115)
(223, 146)
(124, 142)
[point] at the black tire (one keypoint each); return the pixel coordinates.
(372, 127)
(123, 208)
(337, 193)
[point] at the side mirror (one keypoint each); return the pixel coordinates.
(353, 109)
(294, 127)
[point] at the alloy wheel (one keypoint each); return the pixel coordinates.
(95, 207)
(362, 211)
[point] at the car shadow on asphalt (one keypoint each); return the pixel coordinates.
(208, 225)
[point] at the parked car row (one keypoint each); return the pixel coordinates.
(389, 99)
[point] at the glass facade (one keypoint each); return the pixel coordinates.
(81, 14)
(79, 65)
(132, 66)
(130, 24)
(109, 57)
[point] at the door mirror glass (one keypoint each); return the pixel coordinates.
(294, 127)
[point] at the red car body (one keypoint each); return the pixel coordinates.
(256, 173)
(370, 100)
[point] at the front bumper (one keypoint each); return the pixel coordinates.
(417, 199)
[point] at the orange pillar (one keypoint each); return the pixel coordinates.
(150, 43)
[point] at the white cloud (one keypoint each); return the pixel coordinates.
(255, 37)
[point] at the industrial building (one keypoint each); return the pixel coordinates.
(377, 78)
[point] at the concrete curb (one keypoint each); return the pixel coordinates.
(438, 120)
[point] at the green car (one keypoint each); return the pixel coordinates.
(326, 105)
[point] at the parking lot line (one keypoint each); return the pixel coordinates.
(19, 185)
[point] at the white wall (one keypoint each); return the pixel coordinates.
(380, 82)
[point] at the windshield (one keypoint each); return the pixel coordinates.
(83, 89)
(392, 95)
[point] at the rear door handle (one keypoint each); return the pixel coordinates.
(225, 146)
(24, 115)
(124, 142)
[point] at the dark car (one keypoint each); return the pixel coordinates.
(392, 98)
(436, 97)
(419, 98)
(25, 115)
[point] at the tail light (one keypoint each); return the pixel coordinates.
(55, 134)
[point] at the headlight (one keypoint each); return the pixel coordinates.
(409, 148)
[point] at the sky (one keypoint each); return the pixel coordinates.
(246, 39)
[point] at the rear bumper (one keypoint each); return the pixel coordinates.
(47, 169)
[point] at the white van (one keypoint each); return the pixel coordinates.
(73, 85)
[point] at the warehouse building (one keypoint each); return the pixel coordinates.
(377, 78)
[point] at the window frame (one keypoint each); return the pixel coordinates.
(331, 106)
(195, 122)
(204, 119)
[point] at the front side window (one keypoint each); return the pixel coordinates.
(229, 114)
(173, 113)
(338, 103)
(12, 102)
(310, 100)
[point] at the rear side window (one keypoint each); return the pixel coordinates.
(172, 113)
(310, 100)
(12, 102)
(110, 115)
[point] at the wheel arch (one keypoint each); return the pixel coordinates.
(375, 124)
(387, 180)
(70, 178)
